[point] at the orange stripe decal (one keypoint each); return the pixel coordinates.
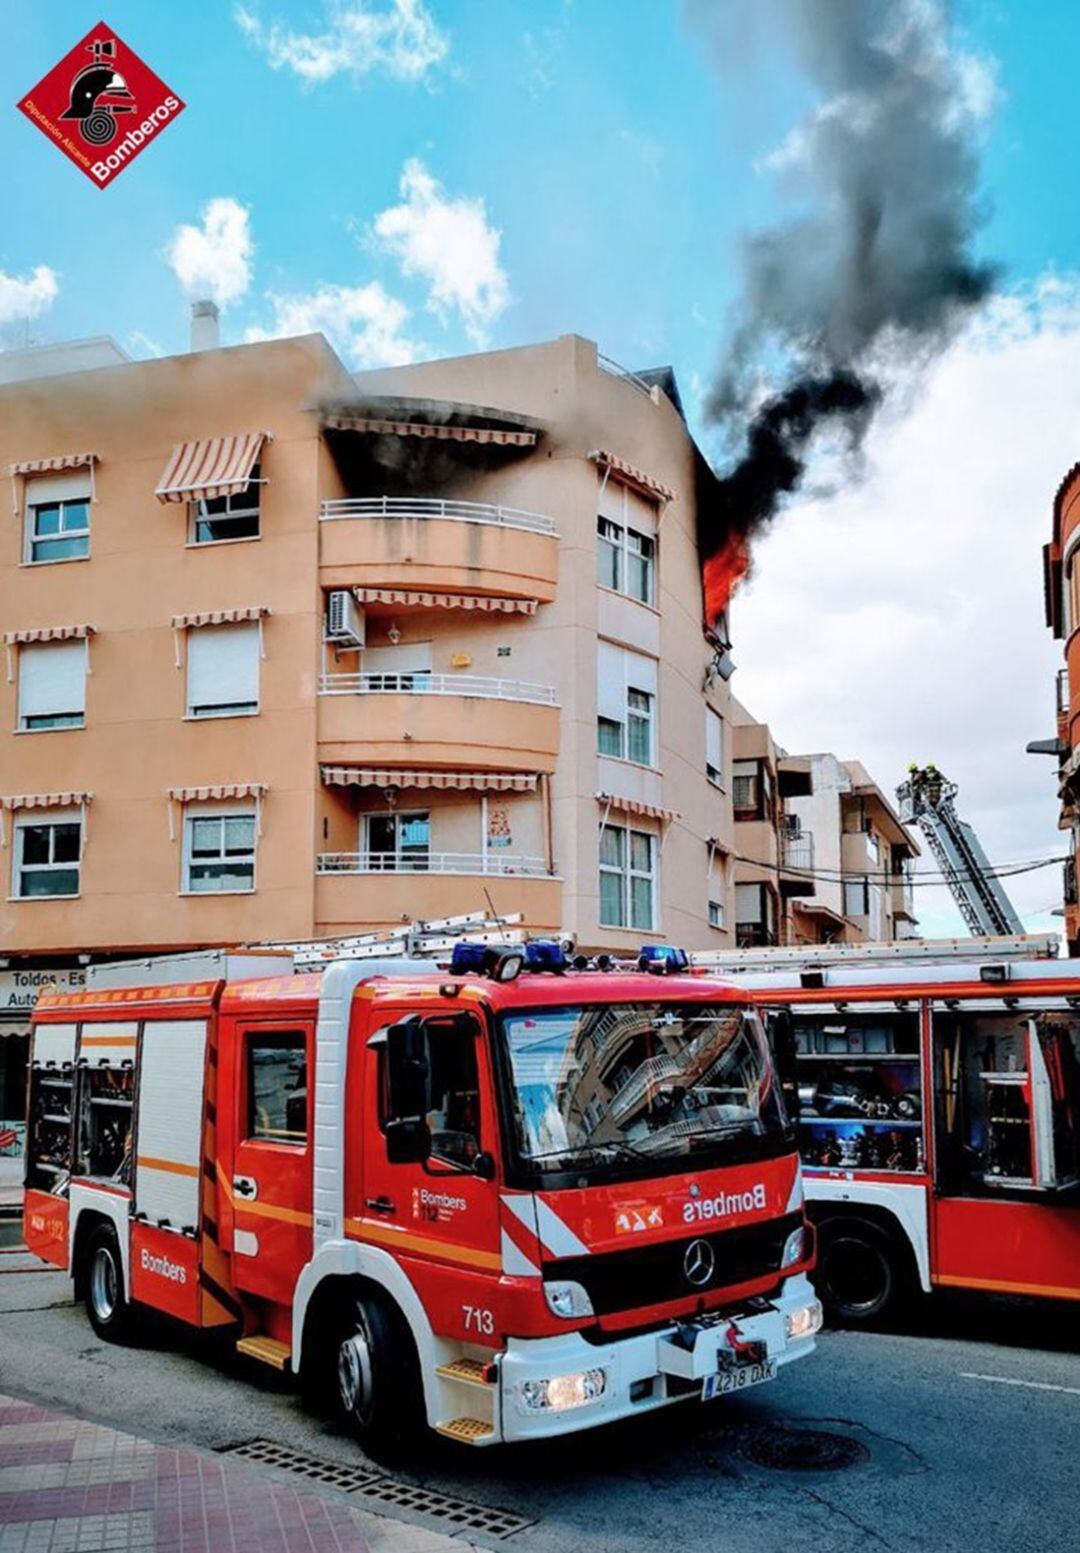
(1001, 1287)
(383, 1234)
(108, 1040)
(171, 1166)
(269, 1210)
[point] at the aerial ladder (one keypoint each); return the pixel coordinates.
(928, 800)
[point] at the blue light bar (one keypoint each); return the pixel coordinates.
(468, 957)
(662, 959)
(545, 954)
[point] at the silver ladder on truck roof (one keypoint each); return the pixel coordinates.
(421, 940)
(904, 951)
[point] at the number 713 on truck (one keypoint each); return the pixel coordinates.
(504, 1198)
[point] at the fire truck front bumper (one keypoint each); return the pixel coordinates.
(554, 1385)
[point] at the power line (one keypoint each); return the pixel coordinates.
(923, 878)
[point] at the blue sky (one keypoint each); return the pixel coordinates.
(597, 167)
(618, 165)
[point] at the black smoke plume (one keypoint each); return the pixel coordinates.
(874, 274)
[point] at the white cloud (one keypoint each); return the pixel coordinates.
(358, 38)
(903, 619)
(214, 260)
(449, 244)
(364, 324)
(24, 297)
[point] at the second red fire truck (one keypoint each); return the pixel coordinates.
(509, 1205)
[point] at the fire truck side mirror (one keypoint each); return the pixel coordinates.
(408, 1071)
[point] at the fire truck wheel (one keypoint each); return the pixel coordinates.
(378, 1384)
(103, 1281)
(860, 1272)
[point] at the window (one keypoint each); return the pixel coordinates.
(454, 1117)
(755, 916)
(627, 877)
(1072, 598)
(626, 560)
(717, 887)
(277, 1087)
(219, 852)
(52, 685)
(57, 518)
(626, 704)
(714, 747)
(716, 913)
(227, 517)
(46, 857)
(223, 670)
(398, 843)
(856, 898)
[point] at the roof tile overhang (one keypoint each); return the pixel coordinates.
(216, 466)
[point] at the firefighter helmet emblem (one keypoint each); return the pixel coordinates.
(699, 1263)
(98, 93)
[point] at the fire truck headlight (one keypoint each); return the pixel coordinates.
(795, 1248)
(567, 1299)
(564, 1391)
(804, 1322)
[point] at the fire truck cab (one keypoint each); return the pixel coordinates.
(508, 1208)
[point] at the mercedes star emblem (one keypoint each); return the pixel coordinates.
(699, 1263)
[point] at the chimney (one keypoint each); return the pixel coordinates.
(205, 334)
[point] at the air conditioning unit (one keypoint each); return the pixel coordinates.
(344, 619)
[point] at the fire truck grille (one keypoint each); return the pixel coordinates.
(656, 1274)
(382, 1492)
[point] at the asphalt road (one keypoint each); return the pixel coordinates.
(968, 1425)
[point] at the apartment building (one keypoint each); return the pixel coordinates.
(820, 854)
(1061, 580)
(293, 653)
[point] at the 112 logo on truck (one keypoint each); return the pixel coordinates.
(104, 109)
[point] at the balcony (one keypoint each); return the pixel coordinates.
(425, 542)
(440, 720)
(796, 862)
(349, 900)
(431, 863)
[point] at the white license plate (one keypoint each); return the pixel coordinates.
(739, 1378)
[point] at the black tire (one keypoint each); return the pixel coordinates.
(861, 1274)
(376, 1375)
(102, 1275)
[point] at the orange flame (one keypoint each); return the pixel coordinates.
(723, 572)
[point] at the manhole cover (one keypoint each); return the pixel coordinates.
(802, 1450)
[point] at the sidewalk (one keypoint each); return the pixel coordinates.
(73, 1487)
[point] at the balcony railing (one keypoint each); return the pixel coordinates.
(430, 507)
(797, 851)
(431, 863)
(417, 682)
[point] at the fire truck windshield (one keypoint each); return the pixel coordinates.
(644, 1083)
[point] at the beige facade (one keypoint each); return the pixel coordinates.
(820, 854)
(526, 712)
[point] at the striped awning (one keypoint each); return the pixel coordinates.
(620, 470)
(650, 811)
(220, 466)
(217, 790)
(43, 466)
(47, 634)
(441, 432)
(487, 602)
(446, 781)
(45, 800)
(220, 617)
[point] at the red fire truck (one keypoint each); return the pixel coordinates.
(511, 1205)
(939, 1116)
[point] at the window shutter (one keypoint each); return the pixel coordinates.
(748, 903)
(406, 658)
(223, 665)
(52, 679)
(641, 672)
(610, 682)
(714, 740)
(61, 487)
